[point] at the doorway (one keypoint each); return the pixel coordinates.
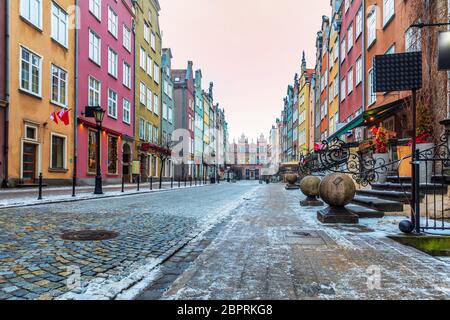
(29, 163)
(126, 162)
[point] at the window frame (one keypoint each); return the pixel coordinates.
(54, 134)
(30, 77)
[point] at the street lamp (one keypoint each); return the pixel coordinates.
(99, 114)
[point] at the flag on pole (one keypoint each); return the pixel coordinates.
(63, 115)
(53, 117)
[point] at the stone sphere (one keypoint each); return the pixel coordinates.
(291, 178)
(310, 186)
(406, 226)
(337, 190)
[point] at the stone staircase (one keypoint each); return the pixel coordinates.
(393, 195)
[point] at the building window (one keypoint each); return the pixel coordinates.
(372, 26)
(359, 23)
(149, 66)
(112, 62)
(146, 32)
(59, 25)
(141, 129)
(388, 10)
(156, 105)
(95, 8)
(112, 155)
(126, 75)
(153, 41)
(156, 136)
(59, 86)
(372, 94)
(149, 132)
(112, 22)
(149, 99)
(143, 59)
(94, 92)
(347, 5)
(58, 152)
(165, 111)
(92, 151)
(112, 104)
(343, 51)
(94, 47)
(170, 115)
(413, 40)
(391, 50)
(350, 38)
(30, 72)
(156, 72)
(350, 81)
(31, 10)
(126, 111)
(359, 71)
(142, 91)
(126, 38)
(343, 90)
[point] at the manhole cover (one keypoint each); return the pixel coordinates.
(89, 235)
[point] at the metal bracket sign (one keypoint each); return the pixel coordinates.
(444, 51)
(398, 72)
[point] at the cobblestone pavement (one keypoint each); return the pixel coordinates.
(273, 249)
(35, 263)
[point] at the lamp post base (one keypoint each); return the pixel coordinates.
(98, 186)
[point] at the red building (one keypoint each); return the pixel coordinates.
(323, 79)
(352, 70)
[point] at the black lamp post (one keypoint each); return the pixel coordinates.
(99, 114)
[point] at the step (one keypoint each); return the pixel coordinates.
(379, 204)
(426, 188)
(364, 212)
(387, 195)
(396, 179)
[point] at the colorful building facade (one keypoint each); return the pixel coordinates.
(41, 80)
(148, 99)
(168, 106)
(199, 126)
(184, 97)
(3, 97)
(305, 115)
(105, 79)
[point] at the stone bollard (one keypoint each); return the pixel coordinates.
(291, 178)
(337, 190)
(310, 188)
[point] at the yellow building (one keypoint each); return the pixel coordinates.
(303, 108)
(42, 81)
(148, 52)
(333, 80)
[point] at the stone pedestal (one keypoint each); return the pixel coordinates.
(311, 201)
(337, 215)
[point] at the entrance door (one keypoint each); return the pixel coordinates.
(29, 162)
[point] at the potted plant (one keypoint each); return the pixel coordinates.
(381, 137)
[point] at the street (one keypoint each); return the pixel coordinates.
(227, 241)
(35, 262)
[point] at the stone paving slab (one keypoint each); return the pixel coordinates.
(246, 260)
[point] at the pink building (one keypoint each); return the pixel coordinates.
(106, 79)
(352, 68)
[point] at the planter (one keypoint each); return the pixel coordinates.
(426, 167)
(381, 161)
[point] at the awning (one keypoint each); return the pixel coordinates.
(357, 122)
(375, 115)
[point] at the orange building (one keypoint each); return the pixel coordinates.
(41, 77)
(387, 31)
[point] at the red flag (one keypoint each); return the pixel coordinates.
(54, 118)
(64, 116)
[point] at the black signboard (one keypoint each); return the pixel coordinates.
(398, 72)
(444, 51)
(89, 112)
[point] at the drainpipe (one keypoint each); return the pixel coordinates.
(6, 120)
(75, 118)
(363, 44)
(448, 73)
